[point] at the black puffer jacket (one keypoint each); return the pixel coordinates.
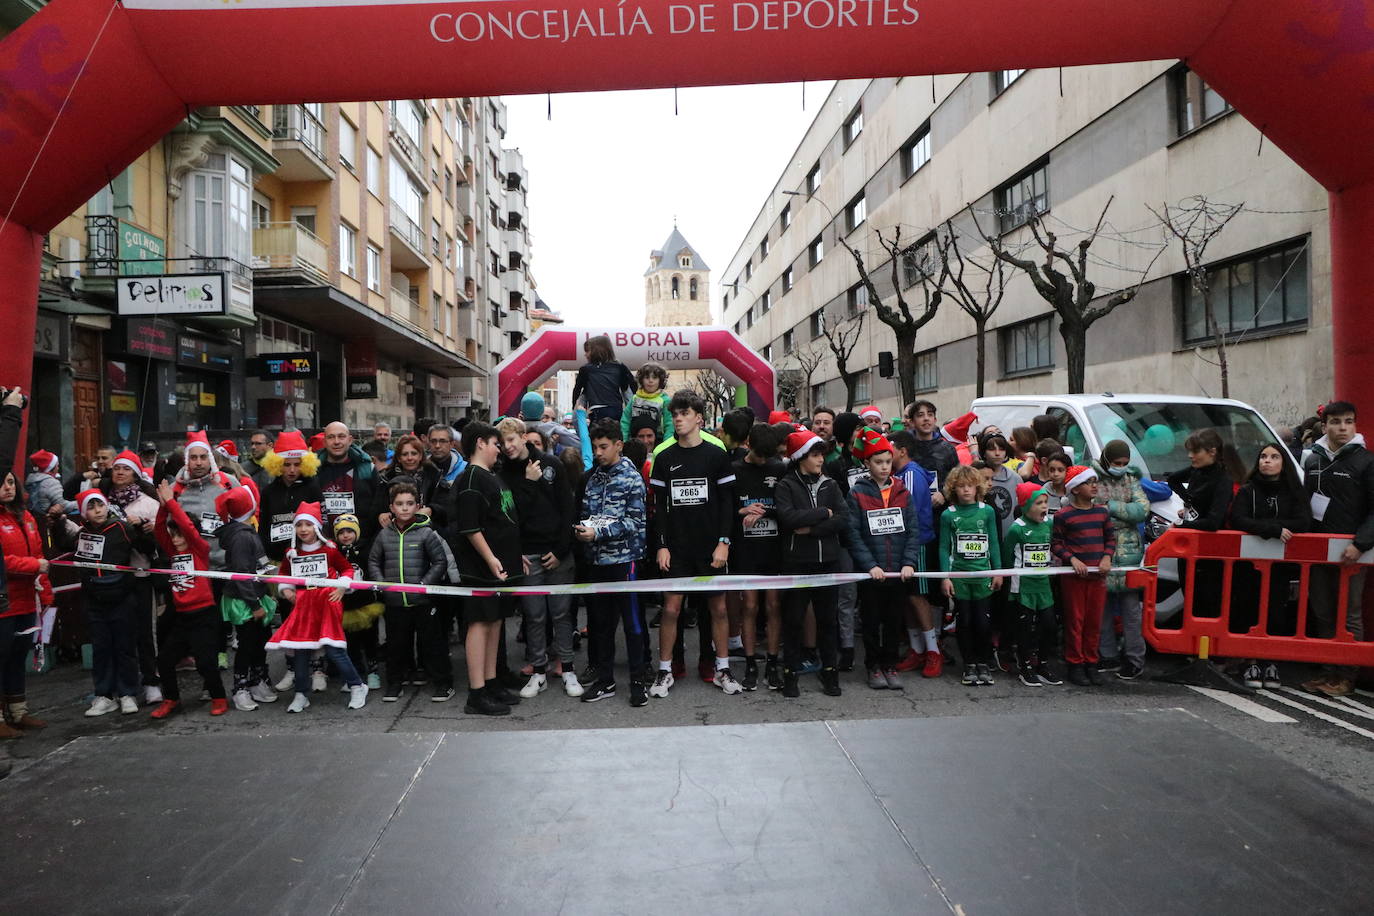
(1347, 479)
(1265, 507)
(279, 503)
(545, 506)
(801, 501)
(1207, 491)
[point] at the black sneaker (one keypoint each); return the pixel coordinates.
(970, 678)
(639, 693)
(1107, 665)
(416, 679)
(751, 675)
(790, 687)
(601, 692)
(1027, 676)
(846, 659)
(772, 673)
(1090, 672)
(588, 676)
(1078, 676)
(502, 695)
(1047, 675)
(1254, 676)
(1130, 670)
(392, 694)
(440, 695)
(830, 682)
(480, 703)
(689, 618)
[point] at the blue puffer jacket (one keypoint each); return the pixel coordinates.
(613, 499)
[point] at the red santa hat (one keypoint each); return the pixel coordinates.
(237, 504)
(290, 444)
(43, 461)
(317, 442)
(871, 413)
(957, 429)
(779, 416)
(801, 442)
(197, 440)
(1026, 493)
(129, 460)
(310, 512)
(868, 442)
(228, 449)
(86, 497)
(1078, 475)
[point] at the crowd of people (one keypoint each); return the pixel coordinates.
(955, 527)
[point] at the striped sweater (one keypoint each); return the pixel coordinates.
(1082, 534)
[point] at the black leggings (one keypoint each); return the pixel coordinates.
(882, 606)
(974, 616)
(825, 601)
(250, 661)
(194, 633)
(363, 648)
(1037, 633)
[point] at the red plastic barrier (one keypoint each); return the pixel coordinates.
(1306, 552)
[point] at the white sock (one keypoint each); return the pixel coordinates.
(722, 663)
(665, 666)
(736, 642)
(932, 637)
(915, 637)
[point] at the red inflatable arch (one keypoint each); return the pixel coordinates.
(88, 85)
(553, 349)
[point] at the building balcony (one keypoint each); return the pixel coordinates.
(300, 141)
(408, 242)
(516, 286)
(407, 151)
(517, 206)
(513, 241)
(407, 311)
(284, 252)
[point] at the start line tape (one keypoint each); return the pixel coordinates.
(634, 586)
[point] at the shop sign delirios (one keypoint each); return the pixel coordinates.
(173, 294)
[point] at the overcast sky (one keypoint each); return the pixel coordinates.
(611, 169)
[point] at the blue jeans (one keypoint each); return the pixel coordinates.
(1125, 605)
(540, 608)
(300, 665)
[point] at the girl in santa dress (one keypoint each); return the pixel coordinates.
(316, 622)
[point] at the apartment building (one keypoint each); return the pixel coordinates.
(915, 152)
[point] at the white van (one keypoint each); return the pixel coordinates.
(1155, 426)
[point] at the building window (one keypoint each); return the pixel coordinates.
(374, 269)
(916, 151)
(928, 370)
(685, 261)
(748, 319)
(818, 393)
(1257, 292)
(813, 179)
(920, 261)
(348, 143)
(853, 126)
(374, 172)
(785, 217)
(817, 323)
(763, 249)
(855, 213)
(789, 339)
(348, 250)
(768, 353)
(739, 325)
(1001, 79)
(436, 312)
(1027, 347)
(787, 280)
(407, 119)
(765, 302)
(1196, 103)
(448, 183)
(220, 209)
(863, 386)
(1025, 196)
(815, 251)
(435, 233)
(692, 289)
(856, 299)
(725, 304)
(748, 270)
(677, 290)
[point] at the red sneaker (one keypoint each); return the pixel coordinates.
(165, 709)
(935, 665)
(219, 707)
(913, 661)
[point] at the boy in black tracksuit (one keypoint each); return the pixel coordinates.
(812, 517)
(758, 546)
(243, 553)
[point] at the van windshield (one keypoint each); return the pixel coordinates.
(1156, 432)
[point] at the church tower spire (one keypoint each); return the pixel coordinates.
(677, 285)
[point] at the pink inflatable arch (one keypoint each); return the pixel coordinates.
(554, 349)
(87, 85)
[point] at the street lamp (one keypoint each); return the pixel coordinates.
(812, 197)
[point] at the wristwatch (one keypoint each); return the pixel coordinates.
(725, 541)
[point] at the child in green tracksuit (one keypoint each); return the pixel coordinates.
(650, 401)
(969, 543)
(1027, 546)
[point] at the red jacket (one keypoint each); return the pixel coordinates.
(189, 593)
(23, 549)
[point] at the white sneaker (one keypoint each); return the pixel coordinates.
(262, 693)
(101, 706)
(205, 696)
(243, 700)
(536, 685)
(299, 704)
(318, 682)
(571, 685)
(128, 705)
(357, 696)
(152, 695)
(725, 680)
(662, 682)
(287, 682)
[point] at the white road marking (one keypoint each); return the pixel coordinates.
(1364, 693)
(1245, 705)
(1356, 704)
(1319, 714)
(1354, 709)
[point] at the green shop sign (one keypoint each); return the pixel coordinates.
(137, 245)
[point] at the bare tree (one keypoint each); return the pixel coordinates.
(718, 394)
(977, 287)
(1061, 279)
(925, 264)
(842, 337)
(808, 358)
(1195, 222)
